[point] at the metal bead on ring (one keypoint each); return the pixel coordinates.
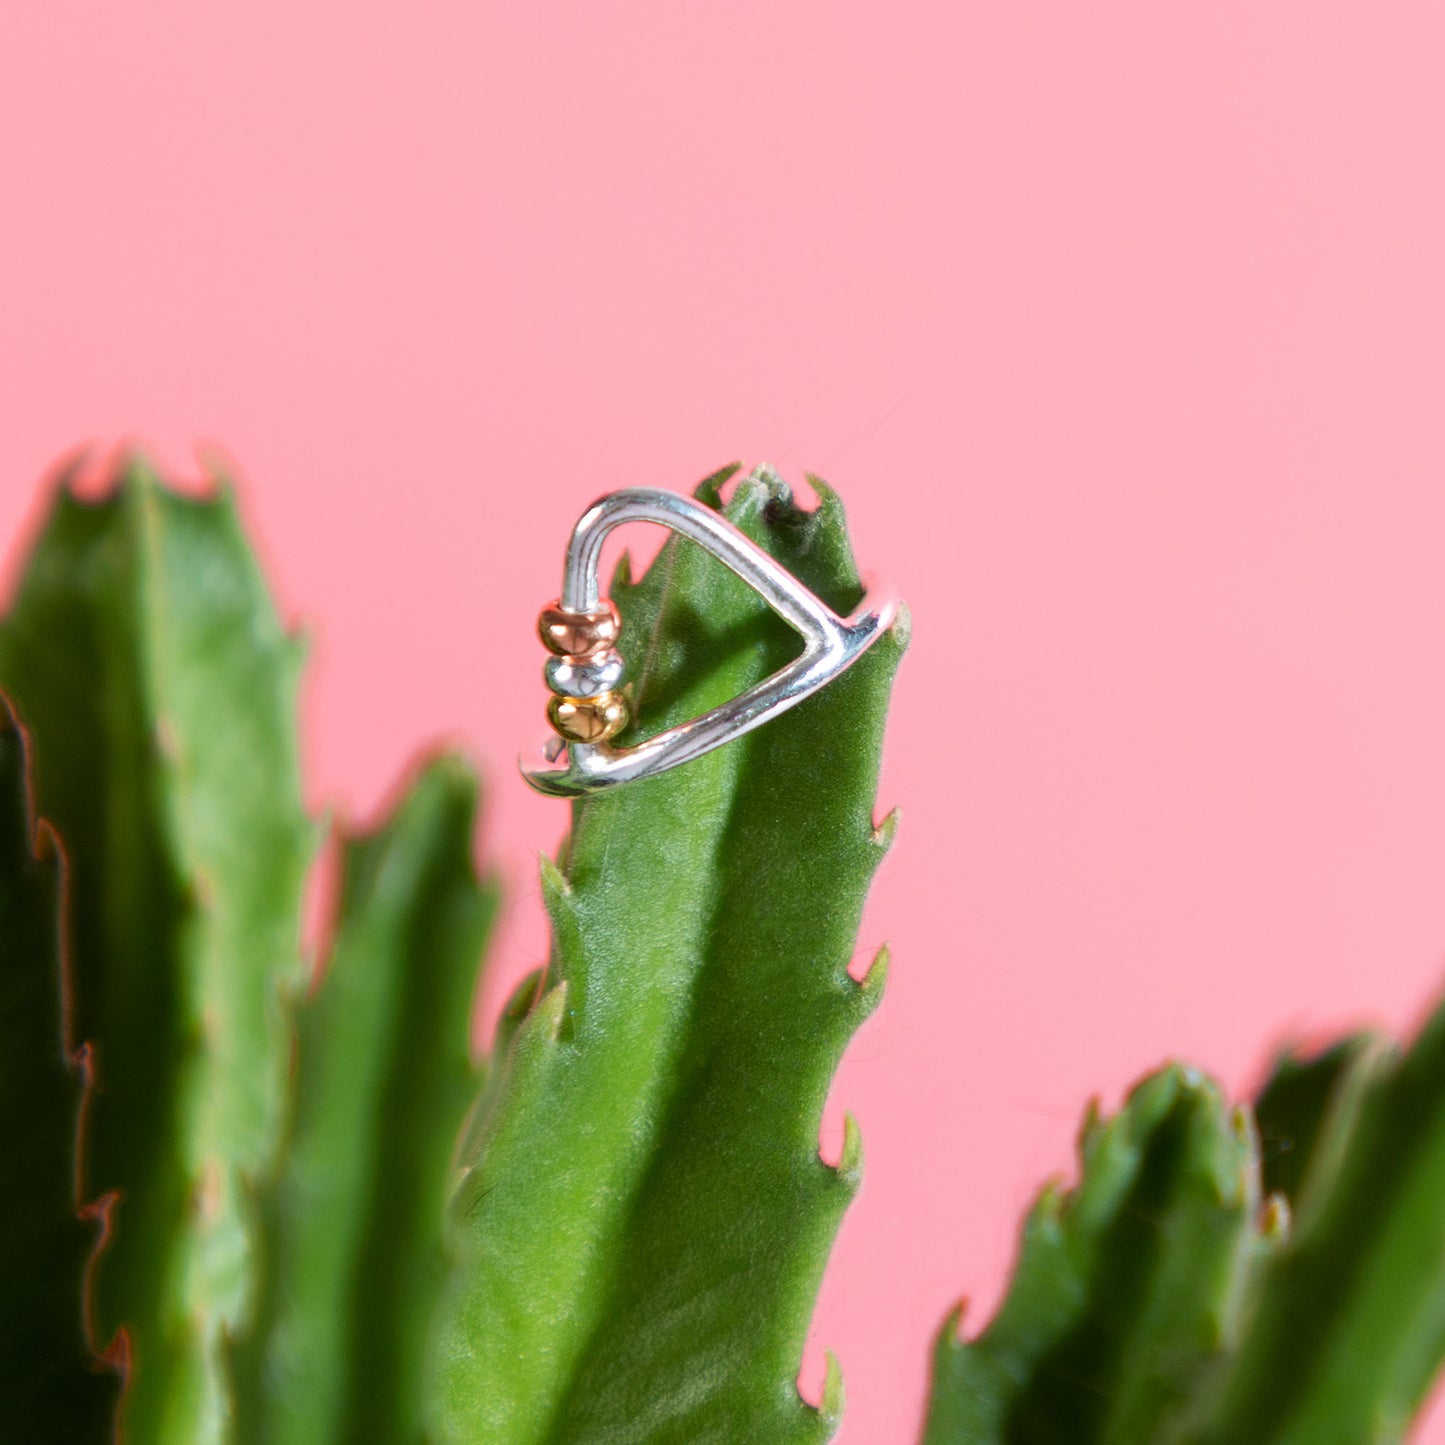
(590, 675)
(588, 719)
(578, 634)
(584, 671)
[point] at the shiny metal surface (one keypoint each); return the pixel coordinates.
(830, 643)
(576, 634)
(588, 719)
(588, 676)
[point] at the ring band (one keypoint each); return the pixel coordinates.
(581, 628)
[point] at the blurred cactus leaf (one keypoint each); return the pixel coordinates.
(1126, 1285)
(1348, 1327)
(52, 1386)
(355, 1216)
(146, 656)
(1294, 1104)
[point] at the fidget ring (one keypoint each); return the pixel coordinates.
(585, 670)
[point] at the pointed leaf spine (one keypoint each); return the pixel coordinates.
(849, 1169)
(834, 1399)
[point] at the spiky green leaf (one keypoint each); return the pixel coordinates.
(354, 1236)
(144, 652)
(1348, 1329)
(642, 1233)
(1126, 1285)
(1294, 1106)
(52, 1386)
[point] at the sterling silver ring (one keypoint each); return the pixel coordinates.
(585, 672)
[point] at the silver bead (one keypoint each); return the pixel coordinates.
(588, 676)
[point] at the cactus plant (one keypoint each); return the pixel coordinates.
(353, 1209)
(327, 1222)
(1125, 1285)
(670, 1084)
(1315, 1320)
(143, 652)
(1361, 1264)
(52, 1382)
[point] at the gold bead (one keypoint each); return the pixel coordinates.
(576, 634)
(588, 719)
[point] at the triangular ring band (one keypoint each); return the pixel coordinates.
(569, 764)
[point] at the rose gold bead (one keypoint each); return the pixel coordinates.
(575, 634)
(588, 719)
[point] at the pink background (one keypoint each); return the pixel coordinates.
(1120, 327)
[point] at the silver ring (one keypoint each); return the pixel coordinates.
(581, 628)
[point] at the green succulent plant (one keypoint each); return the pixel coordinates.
(246, 1207)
